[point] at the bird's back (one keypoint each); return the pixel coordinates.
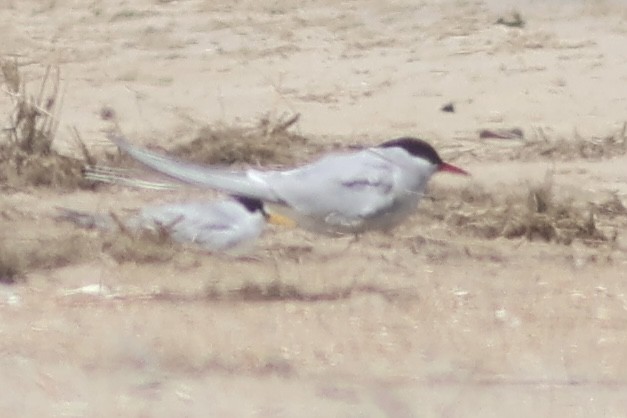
(338, 192)
(216, 226)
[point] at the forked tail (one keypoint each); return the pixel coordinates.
(232, 182)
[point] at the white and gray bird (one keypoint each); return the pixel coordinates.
(342, 193)
(227, 226)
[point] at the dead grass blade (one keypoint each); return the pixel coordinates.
(11, 75)
(536, 214)
(11, 265)
(21, 255)
(26, 156)
(87, 156)
(266, 143)
(139, 246)
(543, 147)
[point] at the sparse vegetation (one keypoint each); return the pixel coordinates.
(565, 149)
(476, 304)
(612, 207)
(269, 142)
(50, 251)
(141, 246)
(26, 155)
(129, 14)
(11, 264)
(252, 291)
(125, 244)
(541, 146)
(513, 21)
(537, 214)
(22, 255)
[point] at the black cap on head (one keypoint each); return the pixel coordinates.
(253, 205)
(416, 147)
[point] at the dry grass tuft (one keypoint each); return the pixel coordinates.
(55, 247)
(563, 149)
(543, 147)
(612, 208)
(18, 170)
(59, 249)
(276, 290)
(609, 146)
(139, 246)
(52, 252)
(513, 21)
(125, 242)
(548, 219)
(26, 155)
(11, 265)
(536, 215)
(258, 292)
(266, 143)
(44, 252)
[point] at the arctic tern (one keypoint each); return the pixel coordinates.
(375, 188)
(227, 226)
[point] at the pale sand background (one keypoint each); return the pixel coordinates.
(432, 322)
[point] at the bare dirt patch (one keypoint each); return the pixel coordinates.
(502, 297)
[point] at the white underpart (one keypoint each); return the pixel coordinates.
(372, 189)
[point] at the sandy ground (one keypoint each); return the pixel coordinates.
(434, 320)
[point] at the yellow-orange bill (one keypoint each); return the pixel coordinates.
(276, 219)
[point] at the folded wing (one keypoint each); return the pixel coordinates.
(339, 190)
(233, 182)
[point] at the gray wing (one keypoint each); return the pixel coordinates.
(216, 226)
(339, 190)
(190, 216)
(233, 182)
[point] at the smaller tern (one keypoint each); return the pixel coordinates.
(227, 226)
(345, 193)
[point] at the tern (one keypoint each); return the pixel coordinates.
(375, 188)
(223, 226)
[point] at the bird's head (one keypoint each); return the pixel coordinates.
(419, 148)
(251, 204)
(256, 205)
